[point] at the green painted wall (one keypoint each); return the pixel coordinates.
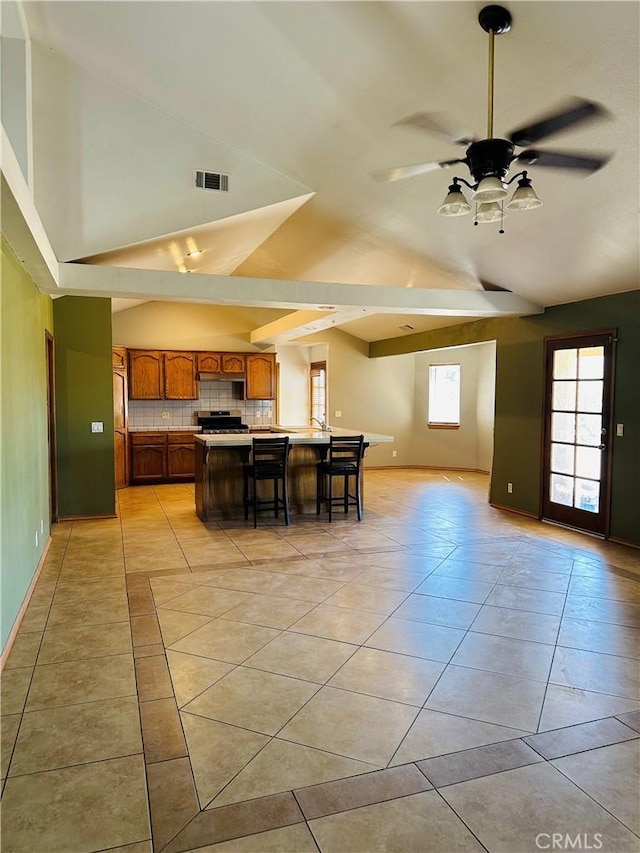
(84, 393)
(519, 396)
(25, 314)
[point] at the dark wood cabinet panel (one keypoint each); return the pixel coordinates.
(261, 369)
(120, 455)
(180, 376)
(161, 457)
(119, 355)
(120, 458)
(146, 375)
(148, 463)
(181, 461)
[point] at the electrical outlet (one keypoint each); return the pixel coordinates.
(97, 426)
(258, 415)
(165, 416)
(337, 413)
(510, 488)
(394, 452)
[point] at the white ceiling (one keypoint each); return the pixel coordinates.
(297, 101)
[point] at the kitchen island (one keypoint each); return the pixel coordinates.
(219, 461)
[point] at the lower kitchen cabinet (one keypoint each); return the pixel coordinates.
(161, 457)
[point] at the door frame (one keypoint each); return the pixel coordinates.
(49, 347)
(607, 406)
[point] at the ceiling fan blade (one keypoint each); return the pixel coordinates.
(436, 123)
(400, 173)
(575, 112)
(562, 160)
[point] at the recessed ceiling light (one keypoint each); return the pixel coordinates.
(326, 307)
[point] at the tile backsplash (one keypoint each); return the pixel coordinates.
(213, 395)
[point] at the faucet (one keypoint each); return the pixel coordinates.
(321, 423)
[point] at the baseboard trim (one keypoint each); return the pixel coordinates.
(87, 517)
(424, 468)
(23, 608)
(625, 542)
(515, 511)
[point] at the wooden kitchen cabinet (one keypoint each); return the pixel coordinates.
(261, 376)
(162, 457)
(120, 397)
(209, 362)
(180, 456)
(148, 457)
(157, 375)
(146, 375)
(232, 362)
(180, 376)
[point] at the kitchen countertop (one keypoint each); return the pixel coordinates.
(193, 429)
(297, 435)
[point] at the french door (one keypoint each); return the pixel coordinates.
(577, 430)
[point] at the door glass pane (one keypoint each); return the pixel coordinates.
(562, 458)
(589, 429)
(563, 427)
(561, 491)
(565, 364)
(590, 395)
(588, 462)
(564, 396)
(587, 495)
(591, 363)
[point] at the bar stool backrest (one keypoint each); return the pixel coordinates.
(346, 452)
(270, 456)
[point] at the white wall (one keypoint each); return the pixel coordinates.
(471, 445)
(293, 401)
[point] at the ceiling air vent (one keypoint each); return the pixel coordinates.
(407, 327)
(212, 181)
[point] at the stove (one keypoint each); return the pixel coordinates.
(220, 422)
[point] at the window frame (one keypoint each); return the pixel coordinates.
(317, 369)
(441, 424)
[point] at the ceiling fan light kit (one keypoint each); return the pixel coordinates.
(489, 160)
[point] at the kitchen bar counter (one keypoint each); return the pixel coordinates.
(220, 460)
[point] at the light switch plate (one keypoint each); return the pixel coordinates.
(619, 430)
(97, 426)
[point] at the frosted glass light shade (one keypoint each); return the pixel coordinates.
(455, 203)
(524, 198)
(489, 189)
(489, 212)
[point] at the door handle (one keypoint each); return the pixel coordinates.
(602, 447)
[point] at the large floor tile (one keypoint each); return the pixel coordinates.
(281, 766)
(421, 639)
(594, 671)
(175, 624)
(435, 733)
(600, 637)
(420, 822)
(85, 808)
(270, 611)
(301, 656)
(218, 752)
(193, 674)
(610, 776)
(260, 701)
(460, 589)
(505, 654)
(85, 641)
(224, 640)
(603, 610)
(9, 725)
(566, 706)
(205, 601)
(73, 682)
(338, 623)
(519, 809)
(400, 678)
(296, 838)
(506, 622)
(350, 724)
(77, 734)
(491, 697)
(438, 611)
(532, 600)
(358, 596)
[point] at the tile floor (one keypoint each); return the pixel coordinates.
(440, 677)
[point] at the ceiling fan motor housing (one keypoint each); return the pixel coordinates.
(489, 158)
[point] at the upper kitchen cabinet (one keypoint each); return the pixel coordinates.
(209, 362)
(155, 375)
(232, 362)
(146, 375)
(180, 376)
(261, 376)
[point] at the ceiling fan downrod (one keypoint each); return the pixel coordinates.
(494, 20)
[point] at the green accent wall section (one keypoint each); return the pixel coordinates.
(24, 457)
(84, 394)
(520, 389)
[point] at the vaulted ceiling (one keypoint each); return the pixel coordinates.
(297, 103)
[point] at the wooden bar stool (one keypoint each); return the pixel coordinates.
(344, 460)
(269, 461)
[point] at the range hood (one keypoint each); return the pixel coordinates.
(221, 377)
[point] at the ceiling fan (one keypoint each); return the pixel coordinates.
(490, 159)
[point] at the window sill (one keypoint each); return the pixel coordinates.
(443, 426)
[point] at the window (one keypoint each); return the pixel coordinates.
(318, 391)
(444, 396)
